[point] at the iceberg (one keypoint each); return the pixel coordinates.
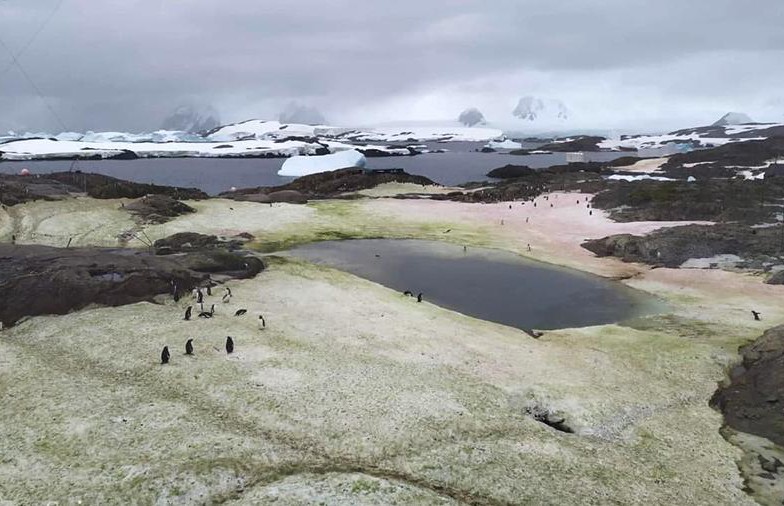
(306, 165)
(507, 144)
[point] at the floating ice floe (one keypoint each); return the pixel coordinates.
(506, 144)
(306, 165)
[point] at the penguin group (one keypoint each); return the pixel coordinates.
(198, 295)
(166, 356)
(409, 293)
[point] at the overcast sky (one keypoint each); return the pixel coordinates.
(126, 64)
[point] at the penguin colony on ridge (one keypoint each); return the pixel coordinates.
(199, 296)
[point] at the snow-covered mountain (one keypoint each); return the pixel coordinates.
(541, 110)
(252, 138)
(733, 118)
(471, 117)
(192, 119)
(304, 114)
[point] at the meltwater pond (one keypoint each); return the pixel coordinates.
(487, 284)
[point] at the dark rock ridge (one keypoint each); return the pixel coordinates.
(20, 189)
(721, 200)
(106, 187)
(582, 177)
(184, 242)
(158, 208)
(579, 143)
(737, 154)
(670, 247)
(57, 185)
(328, 184)
(44, 280)
(753, 399)
(511, 171)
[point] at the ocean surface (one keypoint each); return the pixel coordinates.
(214, 175)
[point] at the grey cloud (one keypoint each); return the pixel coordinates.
(127, 64)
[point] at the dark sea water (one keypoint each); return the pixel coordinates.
(487, 284)
(459, 165)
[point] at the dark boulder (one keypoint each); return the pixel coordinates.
(158, 208)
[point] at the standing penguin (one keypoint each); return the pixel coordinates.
(165, 355)
(199, 296)
(189, 347)
(229, 345)
(188, 312)
(226, 296)
(419, 297)
(262, 323)
(756, 315)
(209, 290)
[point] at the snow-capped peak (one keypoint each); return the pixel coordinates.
(537, 109)
(733, 118)
(471, 117)
(192, 119)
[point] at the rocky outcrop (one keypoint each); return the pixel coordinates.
(325, 185)
(57, 185)
(753, 399)
(158, 208)
(43, 280)
(579, 143)
(184, 242)
(20, 189)
(671, 247)
(105, 187)
(752, 153)
(511, 171)
(720, 200)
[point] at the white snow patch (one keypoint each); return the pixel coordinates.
(718, 261)
(749, 176)
(626, 177)
(305, 165)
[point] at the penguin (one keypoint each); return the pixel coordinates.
(447, 230)
(188, 313)
(165, 355)
(419, 297)
(226, 296)
(262, 323)
(212, 310)
(756, 315)
(209, 290)
(189, 347)
(408, 293)
(229, 345)
(240, 312)
(199, 296)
